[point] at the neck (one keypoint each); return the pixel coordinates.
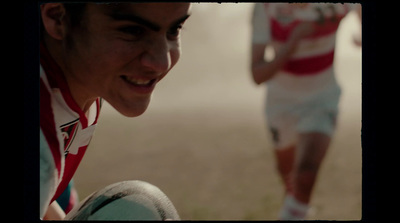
(83, 98)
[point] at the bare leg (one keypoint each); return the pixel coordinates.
(299, 169)
(285, 161)
(310, 152)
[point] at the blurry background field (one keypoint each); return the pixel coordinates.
(203, 139)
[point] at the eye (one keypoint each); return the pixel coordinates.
(133, 31)
(174, 32)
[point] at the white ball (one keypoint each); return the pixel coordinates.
(127, 200)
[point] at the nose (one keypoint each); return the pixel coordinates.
(156, 56)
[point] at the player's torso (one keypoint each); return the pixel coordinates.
(74, 130)
(309, 73)
(284, 18)
(310, 68)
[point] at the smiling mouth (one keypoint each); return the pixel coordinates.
(138, 81)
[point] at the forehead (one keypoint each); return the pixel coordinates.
(157, 12)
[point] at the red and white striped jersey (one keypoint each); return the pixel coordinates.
(274, 22)
(308, 76)
(65, 131)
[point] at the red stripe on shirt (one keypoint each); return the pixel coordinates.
(71, 164)
(309, 65)
(281, 32)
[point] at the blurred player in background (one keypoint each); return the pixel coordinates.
(302, 92)
(89, 52)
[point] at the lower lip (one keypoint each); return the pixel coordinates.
(140, 89)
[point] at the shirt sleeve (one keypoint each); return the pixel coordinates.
(260, 25)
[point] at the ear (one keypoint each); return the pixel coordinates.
(52, 17)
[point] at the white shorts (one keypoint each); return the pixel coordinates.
(286, 127)
(289, 113)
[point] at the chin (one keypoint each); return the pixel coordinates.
(132, 114)
(132, 109)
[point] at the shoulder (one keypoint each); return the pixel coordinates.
(260, 25)
(259, 11)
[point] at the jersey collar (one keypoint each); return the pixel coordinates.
(56, 79)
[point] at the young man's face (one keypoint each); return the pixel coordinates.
(123, 50)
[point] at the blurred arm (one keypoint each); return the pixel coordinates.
(263, 70)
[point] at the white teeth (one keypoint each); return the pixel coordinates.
(137, 81)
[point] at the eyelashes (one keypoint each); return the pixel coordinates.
(132, 30)
(136, 32)
(175, 31)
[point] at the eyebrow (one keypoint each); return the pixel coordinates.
(142, 21)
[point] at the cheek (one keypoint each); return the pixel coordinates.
(111, 59)
(116, 55)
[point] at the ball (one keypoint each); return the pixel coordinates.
(127, 200)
